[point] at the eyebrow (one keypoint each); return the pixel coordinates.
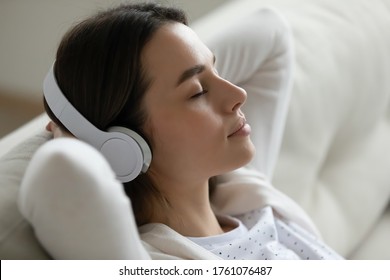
(189, 73)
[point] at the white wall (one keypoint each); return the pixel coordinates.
(30, 31)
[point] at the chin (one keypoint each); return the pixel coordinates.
(246, 156)
(240, 158)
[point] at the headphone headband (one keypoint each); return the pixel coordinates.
(67, 114)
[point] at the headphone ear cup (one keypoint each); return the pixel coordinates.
(127, 152)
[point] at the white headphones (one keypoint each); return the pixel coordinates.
(126, 151)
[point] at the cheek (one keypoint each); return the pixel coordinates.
(186, 135)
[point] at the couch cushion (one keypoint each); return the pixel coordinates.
(374, 247)
(335, 155)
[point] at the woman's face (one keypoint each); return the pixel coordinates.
(194, 121)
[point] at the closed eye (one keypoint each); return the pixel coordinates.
(199, 94)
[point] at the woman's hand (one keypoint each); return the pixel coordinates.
(57, 131)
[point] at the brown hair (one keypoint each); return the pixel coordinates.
(98, 68)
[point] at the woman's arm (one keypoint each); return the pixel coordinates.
(76, 206)
(256, 53)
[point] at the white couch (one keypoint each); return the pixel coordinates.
(335, 154)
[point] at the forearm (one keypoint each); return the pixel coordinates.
(76, 207)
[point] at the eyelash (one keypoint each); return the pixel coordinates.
(203, 92)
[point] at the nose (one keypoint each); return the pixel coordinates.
(234, 96)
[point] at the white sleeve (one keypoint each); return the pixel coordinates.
(256, 53)
(76, 206)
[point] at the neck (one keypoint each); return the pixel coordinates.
(189, 210)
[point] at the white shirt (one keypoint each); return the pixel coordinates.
(261, 235)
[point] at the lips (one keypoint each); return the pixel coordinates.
(242, 128)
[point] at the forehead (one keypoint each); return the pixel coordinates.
(173, 49)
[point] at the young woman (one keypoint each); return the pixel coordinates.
(141, 67)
